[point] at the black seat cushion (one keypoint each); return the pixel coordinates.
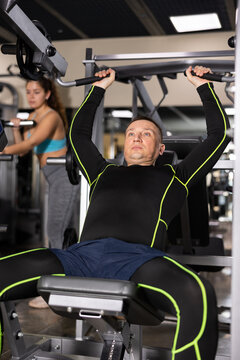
(136, 310)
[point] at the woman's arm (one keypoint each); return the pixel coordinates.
(16, 130)
(18, 136)
(44, 129)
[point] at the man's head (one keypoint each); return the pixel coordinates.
(143, 142)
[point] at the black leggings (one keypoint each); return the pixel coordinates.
(166, 284)
(20, 272)
(178, 290)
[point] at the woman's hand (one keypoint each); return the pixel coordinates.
(199, 71)
(3, 152)
(16, 123)
(106, 81)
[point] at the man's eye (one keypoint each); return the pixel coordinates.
(130, 134)
(147, 134)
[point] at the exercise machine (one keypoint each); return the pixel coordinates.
(41, 55)
(89, 63)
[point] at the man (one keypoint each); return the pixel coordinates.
(128, 216)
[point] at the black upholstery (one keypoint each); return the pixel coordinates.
(134, 309)
(181, 145)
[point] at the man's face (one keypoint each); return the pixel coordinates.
(142, 143)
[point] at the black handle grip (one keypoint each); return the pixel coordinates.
(9, 49)
(90, 80)
(6, 157)
(208, 76)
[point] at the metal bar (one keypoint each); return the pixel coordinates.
(162, 68)
(224, 165)
(65, 83)
(97, 132)
(6, 157)
(56, 161)
(134, 101)
(163, 55)
(147, 104)
(137, 348)
(206, 260)
(171, 67)
(21, 123)
(12, 329)
(235, 328)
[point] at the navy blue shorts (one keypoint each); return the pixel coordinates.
(105, 258)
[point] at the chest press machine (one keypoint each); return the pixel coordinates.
(115, 308)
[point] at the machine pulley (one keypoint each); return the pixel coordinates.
(33, 42)
(29, 69)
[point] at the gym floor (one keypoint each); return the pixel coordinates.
(45, 322)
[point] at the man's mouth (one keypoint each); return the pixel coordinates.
(136, 147)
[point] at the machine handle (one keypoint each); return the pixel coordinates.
(22, 123)
(209, 76)
(88, 80)
(9, 49)
(56, 161)
(83, 81)
(6, 157)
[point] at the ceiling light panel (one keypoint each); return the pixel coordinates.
(200, 22)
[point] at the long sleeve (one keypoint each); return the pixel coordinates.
(201, 160)
(89, 159)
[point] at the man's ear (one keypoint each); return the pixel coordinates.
(162, 149)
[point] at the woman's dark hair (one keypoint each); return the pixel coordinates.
(54, 100)
(139, 117)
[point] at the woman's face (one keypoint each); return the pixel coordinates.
(36, 96)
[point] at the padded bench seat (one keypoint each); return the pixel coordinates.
(78, 297)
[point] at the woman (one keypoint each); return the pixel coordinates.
(48, 139)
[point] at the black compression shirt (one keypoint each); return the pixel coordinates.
(137, 203)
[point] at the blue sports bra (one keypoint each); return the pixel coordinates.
(49, 145)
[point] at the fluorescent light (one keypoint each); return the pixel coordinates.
(230, 111)
(122, 113)
(199, 22)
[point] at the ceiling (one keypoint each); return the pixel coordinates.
(82, 19)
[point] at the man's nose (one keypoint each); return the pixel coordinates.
(137, 137)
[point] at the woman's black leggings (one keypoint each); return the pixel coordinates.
(166, 284)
